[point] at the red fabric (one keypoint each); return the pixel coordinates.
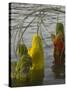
(59, 44)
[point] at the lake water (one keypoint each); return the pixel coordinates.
(21, 17)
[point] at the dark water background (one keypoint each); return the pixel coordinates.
(18, 24)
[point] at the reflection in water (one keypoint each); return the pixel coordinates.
(37, 76)
(58, 71)
(58, 65)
